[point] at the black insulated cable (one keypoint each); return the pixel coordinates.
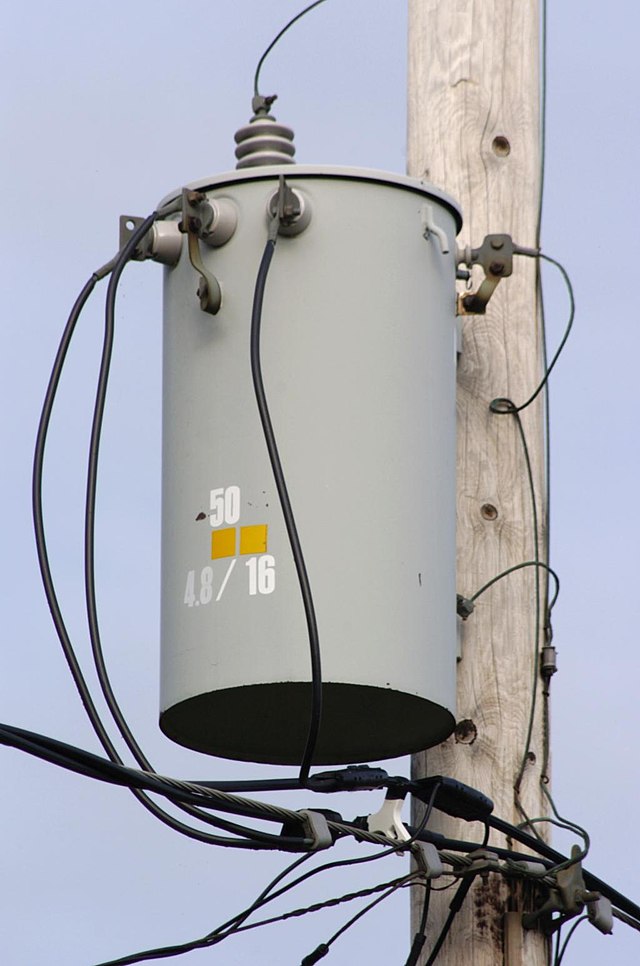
(127, 253)
(285, 503)
(116, 265)
(92, 766)
(420, 937)
(503, 406)
(454, 909)
(592, 882)
(281, 33)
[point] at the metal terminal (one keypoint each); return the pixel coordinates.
(290, 207)
(263, 141)
(429, 227)
(197, 218)
(387, 821)
(495, 257)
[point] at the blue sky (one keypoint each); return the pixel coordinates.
(105, 110)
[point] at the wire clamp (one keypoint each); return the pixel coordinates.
(600, 912)
(527, 868)
(387, 820)
(316, 829)
(483, 861)
(427, 859)
(568, 898)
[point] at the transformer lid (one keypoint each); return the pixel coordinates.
(371, 175)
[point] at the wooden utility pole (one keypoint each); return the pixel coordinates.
(474, 131)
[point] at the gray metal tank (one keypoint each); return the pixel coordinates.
(358, 356)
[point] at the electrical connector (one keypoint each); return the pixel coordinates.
(353, 778)
(464, 607)
(453, 797)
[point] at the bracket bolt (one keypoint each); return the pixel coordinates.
(496, 268)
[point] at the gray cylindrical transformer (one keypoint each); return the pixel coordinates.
(358, 357)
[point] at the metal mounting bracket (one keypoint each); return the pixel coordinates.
(495, 257)
(127, 225)
(196, 215)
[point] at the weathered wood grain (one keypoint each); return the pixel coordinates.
(473, 130)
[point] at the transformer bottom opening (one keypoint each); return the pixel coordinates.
(269, 723)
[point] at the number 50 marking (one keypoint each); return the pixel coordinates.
(262, 574)
(224, 505)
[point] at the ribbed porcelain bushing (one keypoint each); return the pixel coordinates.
(264, 141)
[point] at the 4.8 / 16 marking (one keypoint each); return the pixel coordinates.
(262, 580)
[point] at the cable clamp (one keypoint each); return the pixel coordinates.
(527, 868)
(600, 912)
(568, 898)
(316, 829)
(387, 820)
(483, 861)
(427, 859)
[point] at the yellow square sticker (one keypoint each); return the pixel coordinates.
(253, 539)
(223, 543)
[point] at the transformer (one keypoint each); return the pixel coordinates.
(358, 358)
